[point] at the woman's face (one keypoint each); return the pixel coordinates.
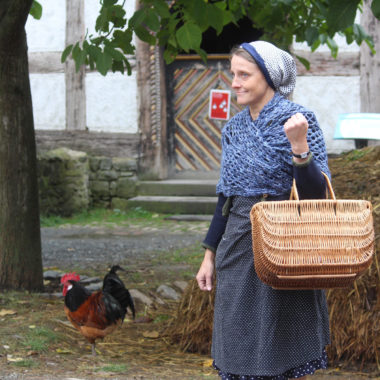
(249, 83)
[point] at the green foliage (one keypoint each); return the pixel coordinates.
(179, 27)
(375, 6)
(36, 10)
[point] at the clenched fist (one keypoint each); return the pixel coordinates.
(296, 131)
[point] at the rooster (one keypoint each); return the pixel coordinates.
(97, 314)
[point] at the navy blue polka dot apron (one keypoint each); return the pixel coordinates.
(259, 330)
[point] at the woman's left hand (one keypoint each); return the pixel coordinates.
(296, 131)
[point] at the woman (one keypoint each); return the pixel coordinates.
(262, 333)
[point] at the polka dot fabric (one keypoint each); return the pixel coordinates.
(258, 330)
(294, 373)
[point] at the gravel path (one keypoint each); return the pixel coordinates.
(83, 246)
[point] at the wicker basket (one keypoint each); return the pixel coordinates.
(312, 244)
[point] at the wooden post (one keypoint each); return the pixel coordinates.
(369, 63)
(151, 84)
(75, 81)
(153, 156)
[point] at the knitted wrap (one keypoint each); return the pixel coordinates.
(256, 155)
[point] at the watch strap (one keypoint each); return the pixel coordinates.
(302, 155)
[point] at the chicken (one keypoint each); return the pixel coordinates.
(97, 314)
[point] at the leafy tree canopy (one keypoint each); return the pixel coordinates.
(178, 27)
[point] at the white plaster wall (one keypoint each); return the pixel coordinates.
(111, 102)
(328, 97)
(48, 33)
(48, 96)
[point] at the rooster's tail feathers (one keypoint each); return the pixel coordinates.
(113, 285)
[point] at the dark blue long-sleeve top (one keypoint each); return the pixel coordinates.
(310, 182)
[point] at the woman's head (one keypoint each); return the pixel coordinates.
(276, 65)
(249, 83)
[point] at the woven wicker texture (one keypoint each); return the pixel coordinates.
(312, 244)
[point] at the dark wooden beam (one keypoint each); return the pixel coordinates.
(323, 64)
(93, 143)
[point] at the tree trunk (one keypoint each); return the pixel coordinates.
(20, 239)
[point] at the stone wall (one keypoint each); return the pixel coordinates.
(72, 181)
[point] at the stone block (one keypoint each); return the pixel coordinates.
(100, 189)
(166, 291)
(109, 175)
(94, 163)
(124, 164)
(105, 163)
(126, 187)
(113, 185)
(119, 203)
(126, 174)
(63, 182)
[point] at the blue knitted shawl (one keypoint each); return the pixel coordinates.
(256, 154)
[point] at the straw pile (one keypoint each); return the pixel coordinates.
(354, 312)
(191, 329)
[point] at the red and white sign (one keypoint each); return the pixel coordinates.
(219, 107)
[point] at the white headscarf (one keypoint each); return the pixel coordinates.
(277, 65)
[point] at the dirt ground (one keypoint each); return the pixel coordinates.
(37, 342)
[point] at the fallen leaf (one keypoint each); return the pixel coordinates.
(4, 312)
(207, 363)
(32, 326)
(143, 319)
(10, 358)
(64, 351)
(151, 334)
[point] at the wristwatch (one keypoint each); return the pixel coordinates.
(302, 155)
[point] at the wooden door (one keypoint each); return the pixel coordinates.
(195, 138)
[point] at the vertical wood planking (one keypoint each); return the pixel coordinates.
(369, 63)
(75, 81)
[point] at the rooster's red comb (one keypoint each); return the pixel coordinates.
(69, 276)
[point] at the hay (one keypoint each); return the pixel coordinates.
(355, 320)
(354, 312)
(191, 328)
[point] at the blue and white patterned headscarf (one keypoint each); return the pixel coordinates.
(277, 65)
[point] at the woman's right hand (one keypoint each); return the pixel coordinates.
(206, 271)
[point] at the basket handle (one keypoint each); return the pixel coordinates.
(294, 192)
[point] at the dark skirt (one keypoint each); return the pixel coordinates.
(260, 331)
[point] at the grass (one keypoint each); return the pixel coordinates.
(191, 255)
(39, 339)
(103, 217)
(25, 363)
(113, 368)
